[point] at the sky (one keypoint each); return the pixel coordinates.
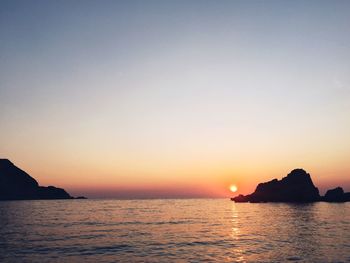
(142, 99)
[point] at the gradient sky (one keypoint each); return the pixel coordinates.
(175, 98)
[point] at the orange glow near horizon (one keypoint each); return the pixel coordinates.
(212, 178)
(168, 176)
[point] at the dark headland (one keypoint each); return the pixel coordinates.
(16, 184)
(296, 187)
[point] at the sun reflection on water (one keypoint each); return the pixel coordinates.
(235, 234)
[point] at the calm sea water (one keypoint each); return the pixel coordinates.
(172, 230)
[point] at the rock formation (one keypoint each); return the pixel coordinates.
(16, 184)
(336, 195)
(296, 187)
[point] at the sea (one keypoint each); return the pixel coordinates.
(173, 230)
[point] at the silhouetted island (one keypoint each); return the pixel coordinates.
(16, 184)
(296, 187)
(336, 195)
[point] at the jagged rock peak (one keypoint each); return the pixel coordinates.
(297, 186)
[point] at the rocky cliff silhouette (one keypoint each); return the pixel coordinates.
(336, 195)
(16, 184)
(297, 187)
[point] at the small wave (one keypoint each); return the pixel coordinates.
(129, 223)
(294, 259)
(79, 250)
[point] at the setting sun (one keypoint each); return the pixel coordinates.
(233, 188)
